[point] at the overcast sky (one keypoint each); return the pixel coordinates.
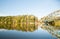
(38, 8)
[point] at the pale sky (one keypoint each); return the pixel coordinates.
(39, 8)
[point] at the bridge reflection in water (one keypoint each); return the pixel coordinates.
(51, 23)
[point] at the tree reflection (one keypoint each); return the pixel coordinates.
(23, 23)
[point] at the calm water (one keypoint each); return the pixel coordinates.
(37, 34)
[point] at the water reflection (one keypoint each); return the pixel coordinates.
(22, 28)
(24, 23)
